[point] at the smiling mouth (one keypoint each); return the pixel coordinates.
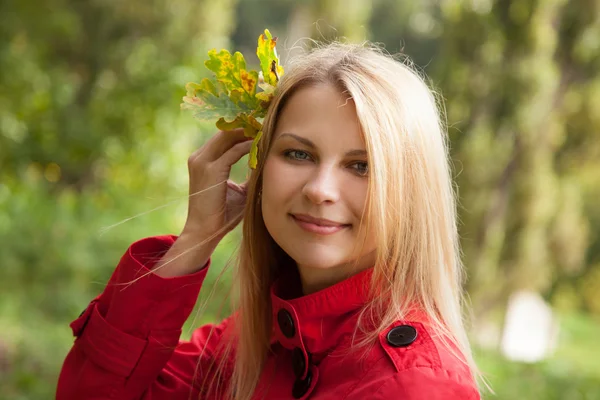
(318, 229)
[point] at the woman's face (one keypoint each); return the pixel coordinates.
(317, 168)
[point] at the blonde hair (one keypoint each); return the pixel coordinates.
(411, 206)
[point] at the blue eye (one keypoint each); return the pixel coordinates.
(296, 154)
(363, 170)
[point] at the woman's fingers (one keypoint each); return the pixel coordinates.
(208, 167)
(234, 154)
(222, 142)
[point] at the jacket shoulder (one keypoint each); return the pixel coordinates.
(409, 344)
(415, 350)
(419, 366)
(425, 383)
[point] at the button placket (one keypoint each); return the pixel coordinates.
(288, 326)
(301, 386)
(300, 362)
(304, 371)
(286, 323)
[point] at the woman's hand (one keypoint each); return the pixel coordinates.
(215, 205)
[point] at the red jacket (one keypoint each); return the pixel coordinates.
(128, 346)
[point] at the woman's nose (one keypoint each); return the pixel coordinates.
(322, 186)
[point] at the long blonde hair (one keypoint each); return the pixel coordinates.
(411, 204)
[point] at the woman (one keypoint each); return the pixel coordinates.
(349, 275)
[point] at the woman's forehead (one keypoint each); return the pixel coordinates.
(320, 114)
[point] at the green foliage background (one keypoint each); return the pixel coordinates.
(91, 135)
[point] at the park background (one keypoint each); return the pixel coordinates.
(91, 135)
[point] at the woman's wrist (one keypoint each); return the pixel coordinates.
(186, 256)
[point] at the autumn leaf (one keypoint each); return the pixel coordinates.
(271, 71)
(269, 62)
(231, 96)
(249, 123)
(253, 160)
(209, 101)
(231, 71)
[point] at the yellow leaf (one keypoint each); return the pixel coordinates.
(253, 158)
(269, 61)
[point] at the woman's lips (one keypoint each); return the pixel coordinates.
(318, 229)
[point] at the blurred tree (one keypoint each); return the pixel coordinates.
(90, 134)
(578, 159)
(73, 74)
(348, 19)
(508, 81)
(411, 28)
(295, 21)
(272, 14)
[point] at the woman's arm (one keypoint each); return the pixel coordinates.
(127, 340)
(127, 344)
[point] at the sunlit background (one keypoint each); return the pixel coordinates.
(91, 135)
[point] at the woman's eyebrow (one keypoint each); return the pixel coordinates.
(308, 143)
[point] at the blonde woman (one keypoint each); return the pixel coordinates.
(348, 281)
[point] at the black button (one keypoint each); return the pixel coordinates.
(286, 323)
(301, 386)
(299, 362)
(402, 336)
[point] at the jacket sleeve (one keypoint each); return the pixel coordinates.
(419, 383)
(127, 340)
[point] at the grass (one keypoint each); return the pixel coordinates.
(572, 372)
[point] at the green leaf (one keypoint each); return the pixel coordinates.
(228, 126)
(249, 123)
(231, 71)
(231, 96)
(253, 160)
(269, 62)
(209, 101)
(265, 99)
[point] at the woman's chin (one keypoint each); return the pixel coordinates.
(319, 260)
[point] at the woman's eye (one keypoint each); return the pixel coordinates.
(296, 154)
(362, 168)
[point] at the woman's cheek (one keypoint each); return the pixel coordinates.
(285, 172)
(356, 193)
(279, 178)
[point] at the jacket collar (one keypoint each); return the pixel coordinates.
(316, 322)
